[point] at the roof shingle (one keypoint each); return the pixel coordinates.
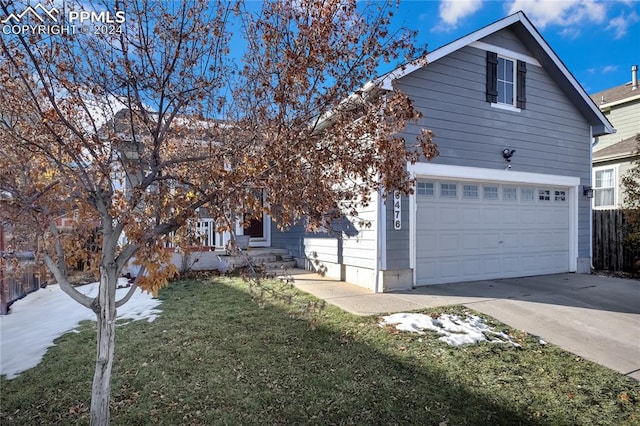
(625, 148)
(615, 94)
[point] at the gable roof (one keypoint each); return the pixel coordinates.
(616, 95)
(542, 52)
(619, 150)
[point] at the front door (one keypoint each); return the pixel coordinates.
(255, 228)
(258, 229)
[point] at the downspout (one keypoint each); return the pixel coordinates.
(379, 226)
(590, 200)
(378, 251)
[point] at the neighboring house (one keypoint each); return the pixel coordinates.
(505, 198)
(614, 154)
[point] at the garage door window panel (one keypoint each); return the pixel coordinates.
(470, 192)
(425, 189)
(509, 193)
(489, 192)
(527, 194)
(448, 190)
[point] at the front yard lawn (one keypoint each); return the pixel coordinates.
(217, 356)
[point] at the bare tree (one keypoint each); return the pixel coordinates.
(131, 133)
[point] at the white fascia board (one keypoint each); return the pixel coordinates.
(325, 120)
(505, 52)
(620, 102)
(628, 156)
(496, 175)
(387, 80)
(608, 128)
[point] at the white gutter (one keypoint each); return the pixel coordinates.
(618, 102)
(621, 101)
(324, 121)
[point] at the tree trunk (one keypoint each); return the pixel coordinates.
(106, 328)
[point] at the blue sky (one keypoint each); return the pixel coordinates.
(598, 41)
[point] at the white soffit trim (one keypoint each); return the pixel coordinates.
(565, 72)
(505, 52)
(497, 175)
(387, 80)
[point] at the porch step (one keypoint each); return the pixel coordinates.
(270, 257)
(280, 265)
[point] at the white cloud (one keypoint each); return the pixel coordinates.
(570, 33)
(452, 11)
(602, 70)
(565, 13)
(620, 25)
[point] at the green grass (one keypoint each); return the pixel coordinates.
(214, 356)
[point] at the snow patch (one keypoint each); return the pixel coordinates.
(37, 320)
(455, 330)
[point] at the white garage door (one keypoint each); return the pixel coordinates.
(482, 230)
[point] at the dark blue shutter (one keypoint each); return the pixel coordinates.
(521, 97)
(492, 77)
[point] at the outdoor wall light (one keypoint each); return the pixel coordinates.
(507, 154)
(587, 191)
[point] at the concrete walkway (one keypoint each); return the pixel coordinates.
(595, 317)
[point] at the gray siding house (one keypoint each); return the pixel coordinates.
(505, 198)
(614, 155)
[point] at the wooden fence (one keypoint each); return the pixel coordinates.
(609, 252)
(15, 285)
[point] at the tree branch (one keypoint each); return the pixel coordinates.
(66, 286)
(132, 289)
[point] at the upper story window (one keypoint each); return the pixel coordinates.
(604, 190)
(506, 81)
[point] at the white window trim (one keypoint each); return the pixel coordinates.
(616, 191)
(506, 107)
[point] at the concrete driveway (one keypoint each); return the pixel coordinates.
(595, 317)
